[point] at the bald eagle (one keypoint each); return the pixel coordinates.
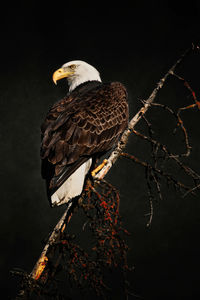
(79, 129)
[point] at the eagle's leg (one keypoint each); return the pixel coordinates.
(99, 167)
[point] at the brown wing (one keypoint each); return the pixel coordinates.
(86, 123)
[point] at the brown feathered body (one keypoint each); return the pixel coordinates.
(85, 124)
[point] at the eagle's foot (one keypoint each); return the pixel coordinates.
(97, 169)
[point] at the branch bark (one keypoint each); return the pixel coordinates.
(42, 261)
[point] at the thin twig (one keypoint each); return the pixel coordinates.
(187, 85)
(192, 190)
(179, 123)
(168, 176)
(174, 157)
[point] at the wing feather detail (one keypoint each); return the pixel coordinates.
(86, 123)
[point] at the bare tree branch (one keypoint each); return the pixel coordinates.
(41, 263)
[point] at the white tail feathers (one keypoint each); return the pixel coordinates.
(73, 186)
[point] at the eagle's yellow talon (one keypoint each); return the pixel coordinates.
(95, 171)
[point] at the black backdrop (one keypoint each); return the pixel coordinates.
(134, 43)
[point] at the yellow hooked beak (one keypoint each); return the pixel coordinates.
(61, 73)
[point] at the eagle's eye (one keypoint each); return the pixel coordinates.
(72, 67)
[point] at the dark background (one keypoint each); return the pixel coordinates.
(135, 43)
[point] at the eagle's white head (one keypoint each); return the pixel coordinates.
(76, 72)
